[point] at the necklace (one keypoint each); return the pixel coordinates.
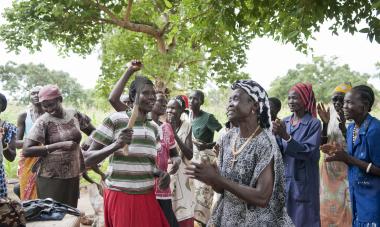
(354, 134)
(241, 148)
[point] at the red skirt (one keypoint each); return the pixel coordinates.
(124, 210)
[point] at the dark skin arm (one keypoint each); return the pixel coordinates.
(34, 149)
(10, 153)
(20, 130)
(117, 91)
(338, 154)
(258, 196)
(187, 147)
(175, 160)
(89, 129)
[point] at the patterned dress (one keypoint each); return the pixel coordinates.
(334, 193)
(232, 211)
(10, 133)
(203, 128)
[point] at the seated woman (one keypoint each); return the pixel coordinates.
(249, 175)
(363, 156)
(55, 138)
(8, 145)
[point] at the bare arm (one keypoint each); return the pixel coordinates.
(20, 130)
(259, 195)
(34, 149)
(10, 153)
(187, 147)
(117, 91)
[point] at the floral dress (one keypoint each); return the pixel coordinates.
(232, 211)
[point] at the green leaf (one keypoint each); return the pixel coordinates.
(364, 30)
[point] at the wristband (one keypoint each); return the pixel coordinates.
(368, 168)
(290, 138)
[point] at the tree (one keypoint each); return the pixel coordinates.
(323, 74)
(19, 79)
(202, 38)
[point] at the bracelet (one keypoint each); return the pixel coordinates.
(6, 147)
(369, 167)
(290, 138)
(47, 149)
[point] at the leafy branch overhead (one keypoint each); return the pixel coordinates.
(204, 39)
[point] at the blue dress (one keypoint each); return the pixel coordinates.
(301, 157)
(365, 188)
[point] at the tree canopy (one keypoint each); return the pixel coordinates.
(180, 41)
(323, 74)
(19, 79)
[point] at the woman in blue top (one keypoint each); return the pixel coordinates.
(300, 136)
(363, 157)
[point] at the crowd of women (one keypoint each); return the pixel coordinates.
(165, 169)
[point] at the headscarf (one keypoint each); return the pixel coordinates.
(184, 97)
(257, 93)
(343, 87)
(4, 103)
(305, 91)
(49, 92)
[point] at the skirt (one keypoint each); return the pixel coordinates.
(62, 190)
(129, 210)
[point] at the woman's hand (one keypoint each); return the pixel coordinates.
(336, 152)
(323, 113)
(279, 129)
(125, 137)
(206, 172)
(175, 161)
(134, 65)
(67, 145)
(164, 180)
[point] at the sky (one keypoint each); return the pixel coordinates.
(267, 59)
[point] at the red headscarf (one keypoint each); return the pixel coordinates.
(184, 97)
(49, 92)
(305, 91)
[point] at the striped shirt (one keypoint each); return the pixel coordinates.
(133, 173)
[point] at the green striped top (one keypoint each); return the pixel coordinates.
(132, 173)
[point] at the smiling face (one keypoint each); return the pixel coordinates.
(160, 104)
(294, 102)
(353, 107)
(240, 106)
(337, 100)
(173, 110)
(52, 107)
(147, 98)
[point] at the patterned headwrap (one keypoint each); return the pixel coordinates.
(343, 87)
(257, 93)
(305, 91)
(4, 103)
(49, 92)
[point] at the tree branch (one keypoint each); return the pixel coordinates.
(116, 21)
(128, 11)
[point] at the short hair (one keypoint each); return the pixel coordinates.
(133, 87)
(201, 94)
(276, 102)
(366, 94)
(4, 103)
